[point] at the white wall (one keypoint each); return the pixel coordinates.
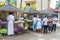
(53, 3)
(44, 4)
(38, 5)
(18, 3)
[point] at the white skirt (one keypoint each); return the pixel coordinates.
(39, 26)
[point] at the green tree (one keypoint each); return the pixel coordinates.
(24, 7)
(13, 2)
(34, 6)
(2, 4)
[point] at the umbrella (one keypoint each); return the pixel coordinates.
(47, 11)
(9, 8)
(30, 11)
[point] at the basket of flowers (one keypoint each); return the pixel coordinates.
(18, 30)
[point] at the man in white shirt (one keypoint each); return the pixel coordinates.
(45, 21)
(55, 19)
(11, 20)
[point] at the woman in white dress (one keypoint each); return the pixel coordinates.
(39, 27)
(34, 23)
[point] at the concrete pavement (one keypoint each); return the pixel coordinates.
(35, 36)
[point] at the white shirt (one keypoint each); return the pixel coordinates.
(34, 19)
(38, 20)
(21, 18)
(45, 20)
(39, 23)
(55, 20)
(10, 18)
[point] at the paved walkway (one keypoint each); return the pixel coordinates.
(35, 36)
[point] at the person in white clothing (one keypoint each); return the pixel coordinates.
(34, 23)
(39, 27)
(21, 18)
(11, 20)
(55, 19)
(45, 21)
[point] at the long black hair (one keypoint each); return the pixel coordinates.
(10, 13)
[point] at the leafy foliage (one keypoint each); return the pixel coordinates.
(13, 2)
(2, 4)
(24, 7)
(34, 6)
(3, 31)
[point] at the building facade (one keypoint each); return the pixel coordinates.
(37, 4)
(40, 4)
